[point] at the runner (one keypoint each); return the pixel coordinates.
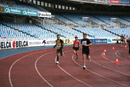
(76, 46)
(127, 40)
(129, 45)
(122, 40)
(59, 45)
(85, 50)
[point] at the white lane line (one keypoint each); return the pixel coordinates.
(110, 68)
(115, 57)
(107, 58)
(100, 75)
(38, 70)
(116, 53)
(10, 69)
(72, 75)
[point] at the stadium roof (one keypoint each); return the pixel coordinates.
(99, 2)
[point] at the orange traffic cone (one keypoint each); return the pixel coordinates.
(104, 50)
(113, 48)
(104, 54)
(125, 46)
(117, 62)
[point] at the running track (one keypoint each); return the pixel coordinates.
(38, 69)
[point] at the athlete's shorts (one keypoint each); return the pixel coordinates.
(59, 50)
(86, 51)
(75, 48)
(121, 40)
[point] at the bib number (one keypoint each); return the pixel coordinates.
(84, 42)
(76, 45)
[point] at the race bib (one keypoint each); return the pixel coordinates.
(76, 45)
(58, 45)
(84, 42)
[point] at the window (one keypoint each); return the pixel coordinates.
(55, 5)
(59, 6)
(63, 7)
(70, 8)
(73, 8)
(42, 3)
(49, 4)
(45, 4)
(34, 1)
(66, 7)
(38, 2)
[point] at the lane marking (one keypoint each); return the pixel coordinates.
(72, 75)
(38, 70)
(99, 74)
(116, 53)
(10, 69)
(15, 63)
(110, 68)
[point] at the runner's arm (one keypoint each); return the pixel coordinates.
(55, 46)
(62, 43)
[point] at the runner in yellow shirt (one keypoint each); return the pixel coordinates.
(59, 45)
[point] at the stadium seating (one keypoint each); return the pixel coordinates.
(126, 18)
(78, 18)
(96, 32)
(63, 30)
(50, 29)
(11, 33)
(31, 29)
(106, 19)
(120, 31)
(26, 30)
(63, 19)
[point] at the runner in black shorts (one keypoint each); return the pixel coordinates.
(85, 50)
(129, 46)
(59, 45)
(76, 46)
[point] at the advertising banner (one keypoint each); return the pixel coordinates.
(44, 14)
(124, 1)
(114, 1)
(29, 13)
(12, 10)
(13, 44)
(32, 43)
(68, 41)
(46, 42)
(97, 40)
(113, 40)
(20, 11)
